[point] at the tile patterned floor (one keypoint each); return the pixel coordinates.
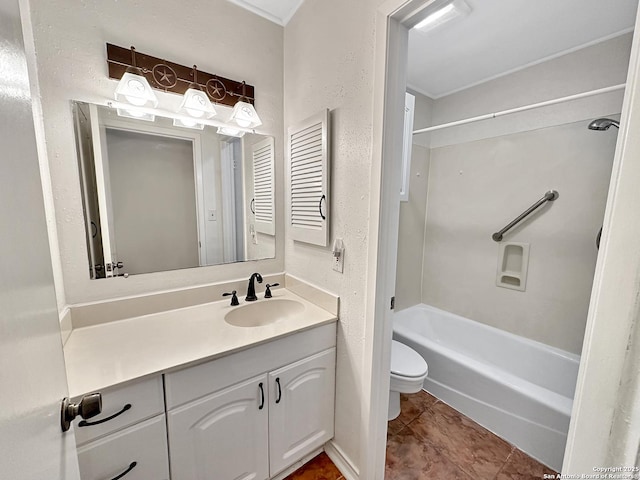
(430, 440)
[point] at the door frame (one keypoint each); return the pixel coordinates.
(615, 288)
(228, 200)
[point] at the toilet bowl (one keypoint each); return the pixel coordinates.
(408, 371)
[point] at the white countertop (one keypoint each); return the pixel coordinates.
(104, 355)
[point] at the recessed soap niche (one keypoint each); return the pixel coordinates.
(513, 263)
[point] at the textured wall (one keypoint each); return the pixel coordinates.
(477, 187)
(413, 212)
(70, 42)
(601, 65)
(329, 61)
(411, 234)
(484, 174)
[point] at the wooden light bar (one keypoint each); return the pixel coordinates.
(171, 77)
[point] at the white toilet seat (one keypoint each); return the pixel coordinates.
(408, 371)
(406, 362)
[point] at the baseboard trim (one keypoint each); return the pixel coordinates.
(342, 461)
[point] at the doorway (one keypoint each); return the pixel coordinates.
(581, 451)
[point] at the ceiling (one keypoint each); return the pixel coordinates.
(502, 36)
(278, 11)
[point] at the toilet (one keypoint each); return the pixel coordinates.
(408, 371)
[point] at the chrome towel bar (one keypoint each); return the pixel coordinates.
(550, 196)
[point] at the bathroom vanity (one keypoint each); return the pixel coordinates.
(187, 395)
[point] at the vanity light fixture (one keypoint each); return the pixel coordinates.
(244, 114)
(443, 13)
(195, 102)
(231, 132)
(134, 87)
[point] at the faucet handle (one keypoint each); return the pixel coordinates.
(234, 298)
(267, 292)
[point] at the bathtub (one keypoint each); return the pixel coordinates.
(519, 389)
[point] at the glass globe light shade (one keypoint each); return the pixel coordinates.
(245, 115)
(135, 89)
(196, 103)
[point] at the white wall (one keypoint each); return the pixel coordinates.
(70, 42)
(411, 235)
(413, 212)
(484, 174)
(476, 188)
(601, 65)
(422, 117)
(329, 63)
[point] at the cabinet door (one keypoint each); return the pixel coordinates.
(223, 436)
(301, 404)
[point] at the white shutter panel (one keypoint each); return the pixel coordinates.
(308, 151)
(263, 186)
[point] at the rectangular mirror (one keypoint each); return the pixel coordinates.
(160, 197)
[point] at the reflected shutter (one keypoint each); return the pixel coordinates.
(263, 186)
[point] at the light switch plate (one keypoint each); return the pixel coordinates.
(338, 255)
(212, 215)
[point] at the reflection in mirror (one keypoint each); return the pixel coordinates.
(158, 197)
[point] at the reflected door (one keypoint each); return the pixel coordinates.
(153, 201)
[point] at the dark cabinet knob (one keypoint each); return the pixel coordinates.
(89, 406)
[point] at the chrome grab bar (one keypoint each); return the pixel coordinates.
(550, 196)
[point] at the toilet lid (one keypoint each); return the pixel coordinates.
(406, 362)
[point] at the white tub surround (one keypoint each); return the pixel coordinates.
(111, 353)
(519, 389)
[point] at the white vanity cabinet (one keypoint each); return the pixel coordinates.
(249, 414)
(254, 428)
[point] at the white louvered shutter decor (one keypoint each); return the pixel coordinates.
(263, 186)
(308, 151)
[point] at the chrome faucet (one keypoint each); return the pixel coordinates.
(251, 290)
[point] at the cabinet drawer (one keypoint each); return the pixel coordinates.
(145, 399)
(141, 451)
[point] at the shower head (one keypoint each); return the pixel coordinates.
(603, 124)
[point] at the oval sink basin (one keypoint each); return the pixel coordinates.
(263, 312)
